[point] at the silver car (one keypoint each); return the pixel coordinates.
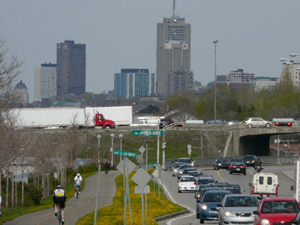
(237, 209)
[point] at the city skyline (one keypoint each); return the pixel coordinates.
(252, 35)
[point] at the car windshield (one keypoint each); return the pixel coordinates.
(185, 160)
(214, 197)
(205, 180)
(241, 201)
(249, 157)
(237, 186)
(222, 160)
(187, 179)
(188, 170)
(280, 207)
(236, 160)
(234, 190)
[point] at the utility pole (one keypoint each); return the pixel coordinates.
(215, 102)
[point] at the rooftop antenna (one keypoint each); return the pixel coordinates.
(174, 6)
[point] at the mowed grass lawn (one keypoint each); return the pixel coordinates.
(114, 214)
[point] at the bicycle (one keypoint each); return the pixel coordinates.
(106, 170)
(59, 217)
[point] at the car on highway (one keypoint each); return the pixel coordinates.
(276, 211)
(186, 171)
(208, 204)
(237, 167)
(217, 122)
(296, 221)
(221, 163)
(175, 167)
(257, 122)
(233, 190)
(204, 179)
(264, 185)
(234, 160)
(181, 168)
(186, 183)
(237, 209)
(184, 161)
(232, 122)
(250, 160)
(235, 185)
(196, 173)
(199, 194)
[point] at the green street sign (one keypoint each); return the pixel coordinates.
(154, 164)
(148, 132)
(130, 154)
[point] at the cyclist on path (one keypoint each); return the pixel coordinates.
(77, 180)
(59, 198)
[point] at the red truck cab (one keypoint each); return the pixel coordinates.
(100, 121)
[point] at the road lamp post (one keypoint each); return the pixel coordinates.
(215, 100)
(112, 149)
(98, 180)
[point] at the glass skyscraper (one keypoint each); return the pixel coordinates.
(134, 83)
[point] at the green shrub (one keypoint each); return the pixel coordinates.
(88, 169)
(34, 194)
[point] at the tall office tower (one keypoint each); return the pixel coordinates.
(134, 83)
(71, 66)
(45, 82)
(173, 56)
(294, 70)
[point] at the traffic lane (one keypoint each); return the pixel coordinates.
(285, 183)
(185, 199)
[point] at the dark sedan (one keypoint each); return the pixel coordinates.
(232, 160)
(221, 163)
(237, 167)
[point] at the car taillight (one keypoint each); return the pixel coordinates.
(232, 166)
(243, 166)
(252, 190)
(171, 124)
(276, 192)
(289, 124)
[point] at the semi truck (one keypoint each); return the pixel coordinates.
(61, 117)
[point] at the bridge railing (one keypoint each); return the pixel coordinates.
(266, 160)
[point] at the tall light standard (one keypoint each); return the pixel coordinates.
(112, 149)
(98, 181)
(215, 102)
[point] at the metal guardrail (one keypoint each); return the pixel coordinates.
(266, 160)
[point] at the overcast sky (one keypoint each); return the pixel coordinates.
(252, 34)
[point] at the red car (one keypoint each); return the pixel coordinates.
(276, 211)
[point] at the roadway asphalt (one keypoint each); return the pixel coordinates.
(76, 208)
(285, 173)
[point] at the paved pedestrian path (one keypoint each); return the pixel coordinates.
(76, 208)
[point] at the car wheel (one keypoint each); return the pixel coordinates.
(173, 175)
(249, 125)
(197, 215)
(179, 191)
(201, 221)
(230, 172)
(214, 168)
(218, 168)
(268, 125)
(107, 127)
(244, 173)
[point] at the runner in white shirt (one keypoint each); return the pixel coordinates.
(77, 181)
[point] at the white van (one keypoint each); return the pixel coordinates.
(264, 185)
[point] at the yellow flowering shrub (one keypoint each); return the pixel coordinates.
(114, 214)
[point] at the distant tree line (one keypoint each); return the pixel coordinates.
(280, 101)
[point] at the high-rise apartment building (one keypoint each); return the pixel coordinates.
(173, 56)
(260, 83)
(71, 68)
(239, 78)
(294, 70)
(45, 82)
(134, 83)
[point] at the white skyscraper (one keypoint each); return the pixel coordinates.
(45, 82)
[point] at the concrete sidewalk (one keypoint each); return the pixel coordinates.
(76, 208)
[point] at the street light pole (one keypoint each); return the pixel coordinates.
(98, 181)
(215, 101)
(112, 149)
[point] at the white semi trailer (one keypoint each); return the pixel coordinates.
(105, 117)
